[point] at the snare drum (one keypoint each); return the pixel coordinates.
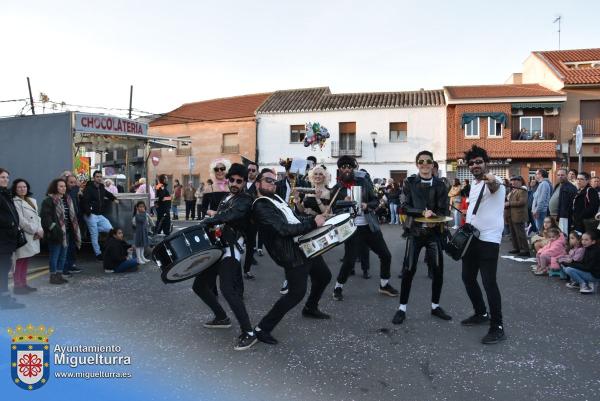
(186, 253)
(343, 224)
(318, 241)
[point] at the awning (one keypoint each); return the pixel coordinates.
(468, 117)
(536, 105)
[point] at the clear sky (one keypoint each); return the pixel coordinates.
(174, 52)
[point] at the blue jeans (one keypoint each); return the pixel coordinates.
(127, 265)
(58, 255)
(580, 276)
(539, 222)
(97, 223)
(71, 254)
(394, 213)
(175, 210)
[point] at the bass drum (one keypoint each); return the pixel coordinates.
(186, 253)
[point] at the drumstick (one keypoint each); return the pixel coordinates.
(332, 200)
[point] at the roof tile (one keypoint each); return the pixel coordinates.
(558, 58)
(499, 91)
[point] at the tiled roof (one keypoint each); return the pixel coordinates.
(321, 99)
(556, 60)
(216, 109)
(499, 91)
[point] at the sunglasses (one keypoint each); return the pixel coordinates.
(219, 169)
(425, 161)
(252, 169)
(236, 180)
(347, 167)
(473, 162)
(269, 180)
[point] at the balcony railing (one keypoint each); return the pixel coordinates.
(343, 149)
(230, 149)
(590, 127)
(550, 131)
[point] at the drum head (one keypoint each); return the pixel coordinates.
(317, 232)
(191, 266)
(337, 219)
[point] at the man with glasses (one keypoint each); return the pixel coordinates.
(233, 213)
(425, 196)
(482, 253)
(279, 226)
(367, 228)
(93, 205)
(250, 189)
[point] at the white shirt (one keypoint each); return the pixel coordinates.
(489, 219)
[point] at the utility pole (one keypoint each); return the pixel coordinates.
(130, 99)
(30, 97)
(558, 19)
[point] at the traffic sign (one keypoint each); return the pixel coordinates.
(578, 139)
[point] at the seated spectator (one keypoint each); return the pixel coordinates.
(585, 274)
(540, 241)
(548, 254)
(116, 254)
(575, 251)
(524, 135)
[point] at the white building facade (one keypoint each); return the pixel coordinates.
(404, 122)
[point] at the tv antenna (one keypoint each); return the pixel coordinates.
(558, 19)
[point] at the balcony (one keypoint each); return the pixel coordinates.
(590, 127)
(550, 130)
(346, 149)
(230, 149)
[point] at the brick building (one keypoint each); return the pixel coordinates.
(218, 128)
(519, 126)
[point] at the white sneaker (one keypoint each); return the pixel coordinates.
(587, 288)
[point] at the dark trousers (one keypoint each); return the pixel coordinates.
(352, 250)
(435, 262)
(71, 254)
(365, 263)
(518, 236)
(5, 265)
(232, 288)
(297, 278)
(163, 220)
(482, 257)
(199, 213)
(250, 245)
(190, 209)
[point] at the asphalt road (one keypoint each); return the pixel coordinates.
(552, 351)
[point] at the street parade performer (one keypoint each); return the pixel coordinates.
(278, 225)
(233, 213)
(426, 197)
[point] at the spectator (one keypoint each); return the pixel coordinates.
(93, 205)
(74, 192)
(572, 176)
(163, 206)
(455, 200)
(176, 201)
(9, 225)
(585, 274)
(539, 241)
(116, 254)
(524, 135)
(220, 186)
(585, 204)
(30, 223)
(59, 223)
(189, 196)
(595, 183)
(515, 209)
(576, 251)
(547, 255)
(393, 196)
(199, 195)
(561, 201)
(142, 223)
(533, 184)
(541, 198)
(208, 190)
(110, 186)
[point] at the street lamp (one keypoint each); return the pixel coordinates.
(374, 138)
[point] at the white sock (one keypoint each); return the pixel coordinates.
(338, 285)
(402, 307)
(433, 306)
(137, 255)
(384, 282)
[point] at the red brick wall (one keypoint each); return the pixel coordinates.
(498, 148)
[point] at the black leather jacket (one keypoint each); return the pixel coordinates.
(278, 235)
(93, 200)
(416, 201)
(234, 214)
(565, 199)
(368, 196)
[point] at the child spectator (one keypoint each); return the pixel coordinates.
(575, 251)
(539, 241)
(553, 249)
(141, 222)
(586, 273)
(116, 254)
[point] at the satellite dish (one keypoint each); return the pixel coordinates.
(578, 139)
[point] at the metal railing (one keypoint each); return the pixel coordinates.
(590, 127)
(346, 150)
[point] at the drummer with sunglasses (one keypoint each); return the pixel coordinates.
(233, 217)
(425, 196)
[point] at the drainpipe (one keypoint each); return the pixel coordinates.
(256, 121)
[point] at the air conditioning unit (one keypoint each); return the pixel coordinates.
(517, 112)
(551, 112)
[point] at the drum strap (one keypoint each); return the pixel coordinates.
(283, 207)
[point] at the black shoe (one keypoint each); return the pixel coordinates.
(245, 341)
(99, 257)
(7, 302)
(61, 278)
(352, 272)
(514, 251)
(476, 320)
(439, 312)
(249, 276)
(388, 290)
(366, 274)
(54, 279)
(337, 294)
(265, 337)
(399, 317)
(67, 274)
(314, 313)
(260, 252)
(75, 270)
(284, 288)
(218, 324)
(525, 254)
(494, 335)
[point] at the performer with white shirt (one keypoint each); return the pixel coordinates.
(482, 253)
(279, 226)
(233, 213)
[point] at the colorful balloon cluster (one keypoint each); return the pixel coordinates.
(316, 134)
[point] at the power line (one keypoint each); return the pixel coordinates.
(12, 100)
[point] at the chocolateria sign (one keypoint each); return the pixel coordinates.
(95, 123)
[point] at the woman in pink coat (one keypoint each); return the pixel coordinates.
(547, 256)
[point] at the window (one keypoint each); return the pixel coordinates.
(230, 143)
(347, 136)
(184, 148)
(398, 132)
(297, 133)
(533, 125)
(472, 128)
(494, 128)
